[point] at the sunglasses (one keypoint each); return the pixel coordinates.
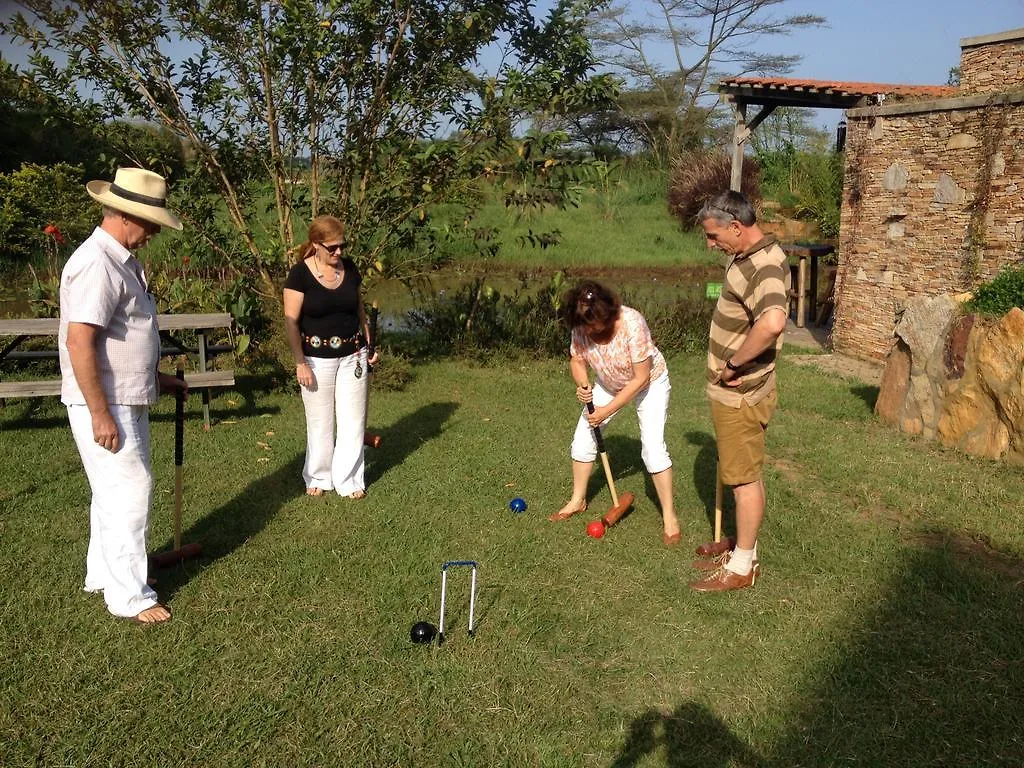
(333, 248)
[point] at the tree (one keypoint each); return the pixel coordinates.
(325, 105)
(670, 52)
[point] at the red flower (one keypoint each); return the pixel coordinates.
(56, 234)
(185, 260)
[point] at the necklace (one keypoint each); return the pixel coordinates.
(320, 274)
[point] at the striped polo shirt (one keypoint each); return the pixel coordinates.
(756, 281)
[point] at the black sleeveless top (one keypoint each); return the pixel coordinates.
(329, 321)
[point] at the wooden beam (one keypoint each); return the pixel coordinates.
(740, 133)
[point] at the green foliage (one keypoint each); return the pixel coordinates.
(1000, 295)
(817, 185)
(798, 168)
(36, 128)
(479, 321)
(35, 196)
(683, 326)
(326, 107)
(697, 176)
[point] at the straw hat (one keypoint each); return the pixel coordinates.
(138, 193)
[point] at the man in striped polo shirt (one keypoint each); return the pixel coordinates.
(746, 338)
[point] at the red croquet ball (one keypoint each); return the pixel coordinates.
(595, 529)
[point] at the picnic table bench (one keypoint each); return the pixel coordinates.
(204, 379)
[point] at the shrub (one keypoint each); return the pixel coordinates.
(682, 327)
(479, 321)
(697, 176)
(1000, 295)
(34, 197)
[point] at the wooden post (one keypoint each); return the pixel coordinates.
(801, 290)
(739, 139)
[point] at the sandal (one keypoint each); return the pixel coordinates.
(563, 514)
(314, 491)
(357, 495)
(671, 539)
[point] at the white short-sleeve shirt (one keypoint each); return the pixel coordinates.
(105, 286)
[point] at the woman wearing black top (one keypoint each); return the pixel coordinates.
(327, 330)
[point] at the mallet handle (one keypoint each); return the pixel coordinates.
(719, 492)
(179, 456)
(371, 343)
(604, 459)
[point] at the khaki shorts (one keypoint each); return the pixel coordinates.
(739, 433)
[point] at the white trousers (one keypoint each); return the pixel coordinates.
(335, 421)
(651, 412)
(122, 488)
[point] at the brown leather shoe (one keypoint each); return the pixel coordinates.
(670, 539)
(724, 580)
(716, 562)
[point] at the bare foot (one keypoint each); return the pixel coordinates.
(357, 495)
(156, 614)
(572, 508)
(314, 491)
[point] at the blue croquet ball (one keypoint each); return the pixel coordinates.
(422, 632)
(517, 505)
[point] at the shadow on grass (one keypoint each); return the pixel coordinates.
(404, 436)
(705, 468)
(229, 526)
(691, 735)
(931, 674)
(866, 393)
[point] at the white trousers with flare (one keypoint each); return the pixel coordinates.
(651, 412)
(335, 421)
(122, 488)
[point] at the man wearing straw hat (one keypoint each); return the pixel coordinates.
(109, 350)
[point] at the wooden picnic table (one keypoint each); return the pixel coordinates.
(806, 289)
(25, 328)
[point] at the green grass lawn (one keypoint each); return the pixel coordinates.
(885, 630)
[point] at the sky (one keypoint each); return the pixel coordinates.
(912, 42)
(906, 42)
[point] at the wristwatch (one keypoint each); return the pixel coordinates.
(730, 366)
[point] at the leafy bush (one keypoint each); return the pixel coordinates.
(683, 327)
(697, 176)
(476, 320)
(817, 184)
(999, 296)
(35, 196)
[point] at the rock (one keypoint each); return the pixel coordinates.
(892, 392)
(947, 191)
(985, 414)
(895, 178)
(955, 350)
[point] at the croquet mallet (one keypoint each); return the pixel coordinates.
(369, 438)
(193, 549)
(718, 546)
(619, 503)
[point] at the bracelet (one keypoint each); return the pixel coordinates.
(731, 367)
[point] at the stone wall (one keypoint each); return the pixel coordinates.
(933, 203)
(992, 63)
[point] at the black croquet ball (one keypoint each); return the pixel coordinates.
(422, 632)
